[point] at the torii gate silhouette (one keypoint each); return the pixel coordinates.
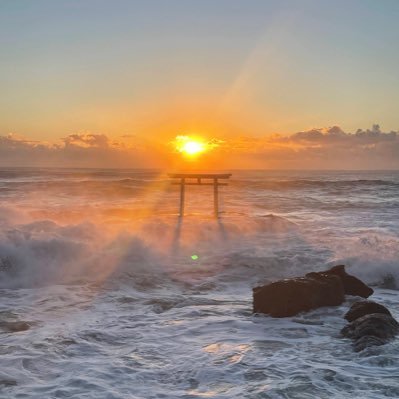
(196, 179)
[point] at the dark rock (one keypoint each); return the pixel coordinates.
(14, 326)
(371, 330)
(5, 264)
(352, 285)
(376, 324)
(368, 341)
(388, 282)
(290, 296)
(361, 308)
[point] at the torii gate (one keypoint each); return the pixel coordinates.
(195, 179)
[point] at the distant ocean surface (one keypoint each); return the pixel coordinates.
(124, 301)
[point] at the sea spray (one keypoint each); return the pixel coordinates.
(99, 266)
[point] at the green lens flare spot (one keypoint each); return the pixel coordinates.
(194, 257)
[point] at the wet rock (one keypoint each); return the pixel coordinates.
(371, 330)
(352, 285)
(14, 326)
(291, 296)
(368, 341)
(362, 308)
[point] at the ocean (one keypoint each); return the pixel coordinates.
(125, 301)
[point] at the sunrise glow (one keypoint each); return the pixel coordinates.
(190, 146)
(182, 182)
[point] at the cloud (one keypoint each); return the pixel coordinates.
(319, 148)
(86, 140)
(76, 150)
(335, 135)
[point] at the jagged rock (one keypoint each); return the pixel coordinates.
(361, 308)
(290, 296)
(371, 330)
(352, 285)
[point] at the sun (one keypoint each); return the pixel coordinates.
(193, 147)
(190, 146)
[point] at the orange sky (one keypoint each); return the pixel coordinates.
(326, 148)
(110, 85)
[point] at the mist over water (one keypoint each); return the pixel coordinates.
(124, 300)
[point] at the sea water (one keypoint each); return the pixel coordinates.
(124, 300)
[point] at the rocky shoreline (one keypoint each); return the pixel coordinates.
(370, 323)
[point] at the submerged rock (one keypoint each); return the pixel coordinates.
(290, 296)
(362, 308)
(7, 382)
(371, 330)
(14, 326)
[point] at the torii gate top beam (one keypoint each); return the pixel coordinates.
(200, 175)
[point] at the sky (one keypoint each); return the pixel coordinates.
(107, 78)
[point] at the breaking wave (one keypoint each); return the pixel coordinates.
(166, 249)
(105, 290)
